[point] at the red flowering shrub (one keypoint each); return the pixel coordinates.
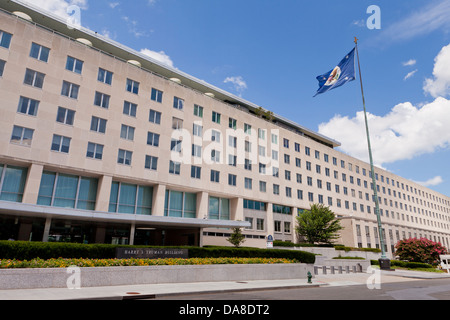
(420, 250)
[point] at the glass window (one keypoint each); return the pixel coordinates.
(174, 167)
(39, 52)
(70, 90)
(153, 139)
(94, 151)
(132, 86)
(156, 95)
(5, 39)
(98, 125)
(178, 103)
(67, 191)
(124, 157)
(155, 117)
(34, 78)
(219, 208)
(198, 111)
(22, 136)
(129, 109)
(127, 132)
(196, 172)
(180, 204)
(102, 100)
(74, 65)
(2, 67)
(216, 117)
(65, 116)
(60, 144)
(130, 199)
(28, 106)
(105, 76)
(12, 183)
(151, 163)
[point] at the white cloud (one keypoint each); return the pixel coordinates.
(113, 5)
(404, 133)
(238, 82)
(409, 75)
(431, 182)
(57, 7)
(434, 16)
(440, 84)
(410, 62)
(160, 56)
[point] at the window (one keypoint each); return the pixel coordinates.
(276, 189)
(174, 167)
(2, 67)
(248, 183)
(262, 134)
(151, 163)
(262, 186)
(177, 124)
(216, 117)
(232, 123)
(65, 116)
(132, 86)
(60, 144)
(155, 117)
(196, 151)
(215, 176)
(34, 78)
(247, 128)
(153, 139)
(175, 145)
(94, 151)
(232, 180)
(74, 65)
(219, 208)
(12, 183)
(196, 172)
(286, 143)
(127, 132)
(130, 199)
(156, 95)
(98, 125)
(288, 192)
(260, 224)
(67, 191)
(28, 106)
(129, 109)
(180, 204)
(124, 157)
(297, 147)
(307, 151)
(215, 156)
(215, 136)
(70, 90)
(105, 76)
(22, 136)
(197, 130)
(198, 111)
(39, 52)
(102, 100)
(5, 39)
(178, 103)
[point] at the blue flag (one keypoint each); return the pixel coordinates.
(343, 73)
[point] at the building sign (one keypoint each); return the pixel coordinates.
(150, 253)
(269, 242)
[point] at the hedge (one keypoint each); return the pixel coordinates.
(405, 264)
(20, 250)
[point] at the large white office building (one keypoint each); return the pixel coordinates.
(102, 144)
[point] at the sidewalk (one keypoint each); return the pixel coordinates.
(158, 290)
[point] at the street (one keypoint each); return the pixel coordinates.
(434, 289)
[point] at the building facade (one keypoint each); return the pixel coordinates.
(101, 144)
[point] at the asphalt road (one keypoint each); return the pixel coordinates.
(435, 289)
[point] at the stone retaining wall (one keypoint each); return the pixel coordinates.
(117, 276)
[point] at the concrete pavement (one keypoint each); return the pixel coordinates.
(159, 290)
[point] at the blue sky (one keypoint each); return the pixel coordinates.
(270, 53)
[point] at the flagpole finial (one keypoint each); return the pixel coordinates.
(356, 40)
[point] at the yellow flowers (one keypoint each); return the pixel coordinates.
(85, 263)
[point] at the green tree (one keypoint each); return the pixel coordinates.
(318, 225)
(236, 238)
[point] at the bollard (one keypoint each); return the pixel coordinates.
(354, 269)
(332, 269)
(340, 269)
(316, 270)
(324, 268)
(347, 269)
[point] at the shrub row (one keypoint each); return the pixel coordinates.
(405, 264)
(31, 250)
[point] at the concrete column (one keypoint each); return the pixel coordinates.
(237, 209)
(132, 232)
(294, 225)
(48, 223)
(103, 194)
(33, 183)
(159, 197)
(202, 205)
(269, 220)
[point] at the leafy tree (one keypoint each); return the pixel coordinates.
(420, 250)
(236, 238)
(318, 225)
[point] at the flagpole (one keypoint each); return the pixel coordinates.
(384, 261)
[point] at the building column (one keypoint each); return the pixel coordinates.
(237, 209)
(103, 194)
(294, 225)
(132, 233)
(48, 224)
(269, 217)
(202, 205)
(31, 191)
(159, 198)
